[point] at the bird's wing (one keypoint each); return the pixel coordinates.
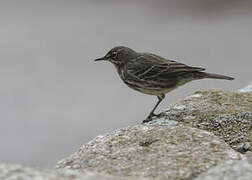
(150, 66)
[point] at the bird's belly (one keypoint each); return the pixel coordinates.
(150, 88)
(154, 87)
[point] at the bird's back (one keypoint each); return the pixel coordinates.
(152, 74)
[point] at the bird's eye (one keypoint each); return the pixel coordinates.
(114, 54)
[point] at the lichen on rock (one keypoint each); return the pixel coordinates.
(20, 172)
(225, 114)
(152, 151)
(231, 170)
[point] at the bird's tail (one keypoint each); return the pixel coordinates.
(214, 76)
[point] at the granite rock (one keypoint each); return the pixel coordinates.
(154, 151)
(232, 170)
(248, 88)
(228, 115)
(189, 140)
(19, 172)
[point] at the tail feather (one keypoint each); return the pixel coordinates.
(215, 76)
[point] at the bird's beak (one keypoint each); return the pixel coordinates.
(101, 59)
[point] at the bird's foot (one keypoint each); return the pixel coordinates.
(157, 115)
(149, 118)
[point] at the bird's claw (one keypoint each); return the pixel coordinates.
(149, 118)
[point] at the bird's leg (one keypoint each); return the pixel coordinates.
(149, 118)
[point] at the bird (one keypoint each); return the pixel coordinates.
(151, 74)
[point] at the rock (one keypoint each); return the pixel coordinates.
(155, 151)
(243, 147)
(178, 144)
(18, 172)
(246, 89)
(228, 115)
(233, 170)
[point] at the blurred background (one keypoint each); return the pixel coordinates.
(54, 98)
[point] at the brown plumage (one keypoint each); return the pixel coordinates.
(152, 74)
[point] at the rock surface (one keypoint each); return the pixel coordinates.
(187, 141)
(233, 170)
(246, 89)
(18, 172)
(160, 152)
(228, 115)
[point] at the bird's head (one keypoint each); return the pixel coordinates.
(119, 55)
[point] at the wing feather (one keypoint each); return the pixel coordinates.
(150, 66)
